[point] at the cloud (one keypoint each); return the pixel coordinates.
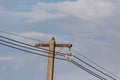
(92, 40)
(36, 16)
(113, 33)
(6, 58)
(87, 9)
(34, 34)
(81, 9)
(18, 62)
(75, 75)
(34, 37)
(1, 8)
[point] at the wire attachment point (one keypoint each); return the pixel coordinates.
(69, 55)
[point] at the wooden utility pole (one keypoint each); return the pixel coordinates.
(51, 46)
(50, 70)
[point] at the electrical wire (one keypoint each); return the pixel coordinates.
(62, 54)
(21, 36)
(47, 52)
(95, 64)
(21, 42)
(51, 57)
(30, 51)
(87, 70)
(22, 46)
(95, 68)
(47, 56)
(25, 43)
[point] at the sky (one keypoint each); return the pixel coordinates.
(92, 26)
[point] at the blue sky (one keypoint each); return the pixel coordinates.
(92, 26)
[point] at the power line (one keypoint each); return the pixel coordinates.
(26, 38)
(94, 68)
(44, 56)
(62, 54)
(30, 51)
(46, 51)
(21, 42)
(87, 70)
(22, 46)
(21, 36)
(95, 63)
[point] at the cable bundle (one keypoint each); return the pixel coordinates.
(35, 50)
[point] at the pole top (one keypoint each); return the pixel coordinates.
(53, 38)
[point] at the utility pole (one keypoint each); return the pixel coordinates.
(51, 45)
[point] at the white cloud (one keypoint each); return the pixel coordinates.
(81, 9)
(34, 34)
(76, 74)
(83, 37)
(1, 8)
(36, 16)
(87, 9)
(6, 58)
(113, 33)
(17, 62)
(42, 37)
